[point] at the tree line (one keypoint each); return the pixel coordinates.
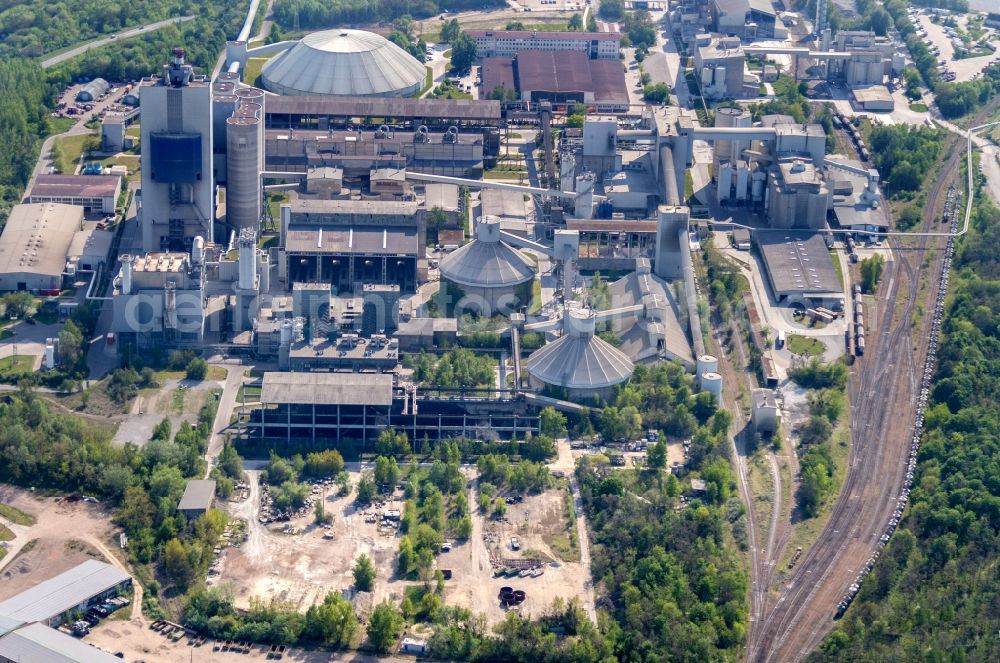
(932, 594)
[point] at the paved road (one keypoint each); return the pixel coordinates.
(120, 36)
(234, 377)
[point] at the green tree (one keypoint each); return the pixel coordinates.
(176, 563)
(656, 455)
(386, 471)
(364, 574)
(367, 490)
(551, 422)
(383, 626)
(451, 30)
(656, 93)
(332, 621)
(575, 22)
(463, 52)
(871, 272)
(197, 369)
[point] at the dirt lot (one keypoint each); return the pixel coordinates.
(138, 642)
(63, 535)
(180, 400)
(540, 533)
(301, 568)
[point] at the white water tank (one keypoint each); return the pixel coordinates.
(50, 356)
(712, 383)
(286, 333)
(198, 250)
(707, 364)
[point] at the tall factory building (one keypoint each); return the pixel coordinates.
(177, 194)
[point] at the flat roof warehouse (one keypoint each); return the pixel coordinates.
(798, 264)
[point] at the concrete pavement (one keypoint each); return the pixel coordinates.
(227, 401)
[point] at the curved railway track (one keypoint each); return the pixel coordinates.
(883, 396)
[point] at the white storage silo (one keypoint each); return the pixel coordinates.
(712, 383)
(707, 364)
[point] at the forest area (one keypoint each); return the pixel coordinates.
(317, 14)
(933, 593)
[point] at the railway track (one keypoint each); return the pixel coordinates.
(883, 393)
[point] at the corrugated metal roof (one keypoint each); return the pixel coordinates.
(198, 494)
(327, 388)
(362, 240)
(63, 592)
(487, 265)
(442, 109)
(75, 186)
(535, 34)
(798, 262)
(577, 362)
(571, 71)
(38, 642)
(344, 62)
(497, 72)
(37, 237)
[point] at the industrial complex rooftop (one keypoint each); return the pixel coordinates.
(798, 263)
(63, 592)
(344, 63)
(327, 388)
(446, 109)
(37, 238)
(38, 642)
(75, 186)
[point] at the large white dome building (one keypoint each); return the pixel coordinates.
(344, 63)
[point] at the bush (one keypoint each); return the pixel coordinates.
(196, 369)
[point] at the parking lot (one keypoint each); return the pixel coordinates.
(965, 69)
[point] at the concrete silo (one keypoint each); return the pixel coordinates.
(245, 159)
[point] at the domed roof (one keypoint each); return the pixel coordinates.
(487, 262)
(578, 359)
(344, 62)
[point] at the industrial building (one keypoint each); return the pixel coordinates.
(93, 90)
(113, 132)
(96, 194)
(28, 620)
(199, 494)
(177, 201)
(800, 269)
(34, 245)
(579, 361)
(873, 98)
(765, 415)
(343, 62)
(160, 300)
(346, 243)
(747, 19)
(510, 43)
(798, 195)
(51, 602)
(721, 65)
(559, 77)
(487, 274)
(359, 406)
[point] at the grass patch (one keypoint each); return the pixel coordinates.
(68, 150)
(17, 364)
(536, 297)
(59, 125)
(838, 267)
(249, 392)
(504, 175)
(267, 242)
(251, 72)
(215, 373)
(6, 534)
(918, 107)
(805, 345)
(15, 515)
(428, 82)
(447, 90)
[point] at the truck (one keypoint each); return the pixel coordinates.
(780, 340)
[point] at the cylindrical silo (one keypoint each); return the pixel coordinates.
(198, 250)
(244, 161)
(707, 364)
(730, 117)
(126, 284)
(712, 383)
